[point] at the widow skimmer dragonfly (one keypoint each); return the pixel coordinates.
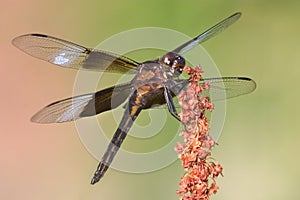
(155, 82)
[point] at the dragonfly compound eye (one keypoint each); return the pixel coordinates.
(174, 60)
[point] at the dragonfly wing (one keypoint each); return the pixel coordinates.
(231, 86)
(69, 55)
(83, 105)
(213, 31)
(221, 88)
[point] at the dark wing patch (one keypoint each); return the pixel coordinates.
(83, 105)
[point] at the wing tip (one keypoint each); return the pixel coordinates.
(249, 80)
(238, 14)
(17, 39)
(39, 119)
(42, 119)
(46, 116)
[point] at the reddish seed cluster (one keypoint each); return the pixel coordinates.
(198, 182)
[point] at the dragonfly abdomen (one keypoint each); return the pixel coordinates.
(131, 112)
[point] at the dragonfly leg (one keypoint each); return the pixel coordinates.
(170, 103)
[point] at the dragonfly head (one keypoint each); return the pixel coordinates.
(174, 60)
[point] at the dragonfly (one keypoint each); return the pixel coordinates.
(155, 82)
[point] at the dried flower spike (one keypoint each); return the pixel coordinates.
(198, 182)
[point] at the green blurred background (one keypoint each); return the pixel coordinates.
(259, 145)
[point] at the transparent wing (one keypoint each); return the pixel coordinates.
(221, 88)
(69, 55)
(213, 31)
(232, 86)
(83, 105)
